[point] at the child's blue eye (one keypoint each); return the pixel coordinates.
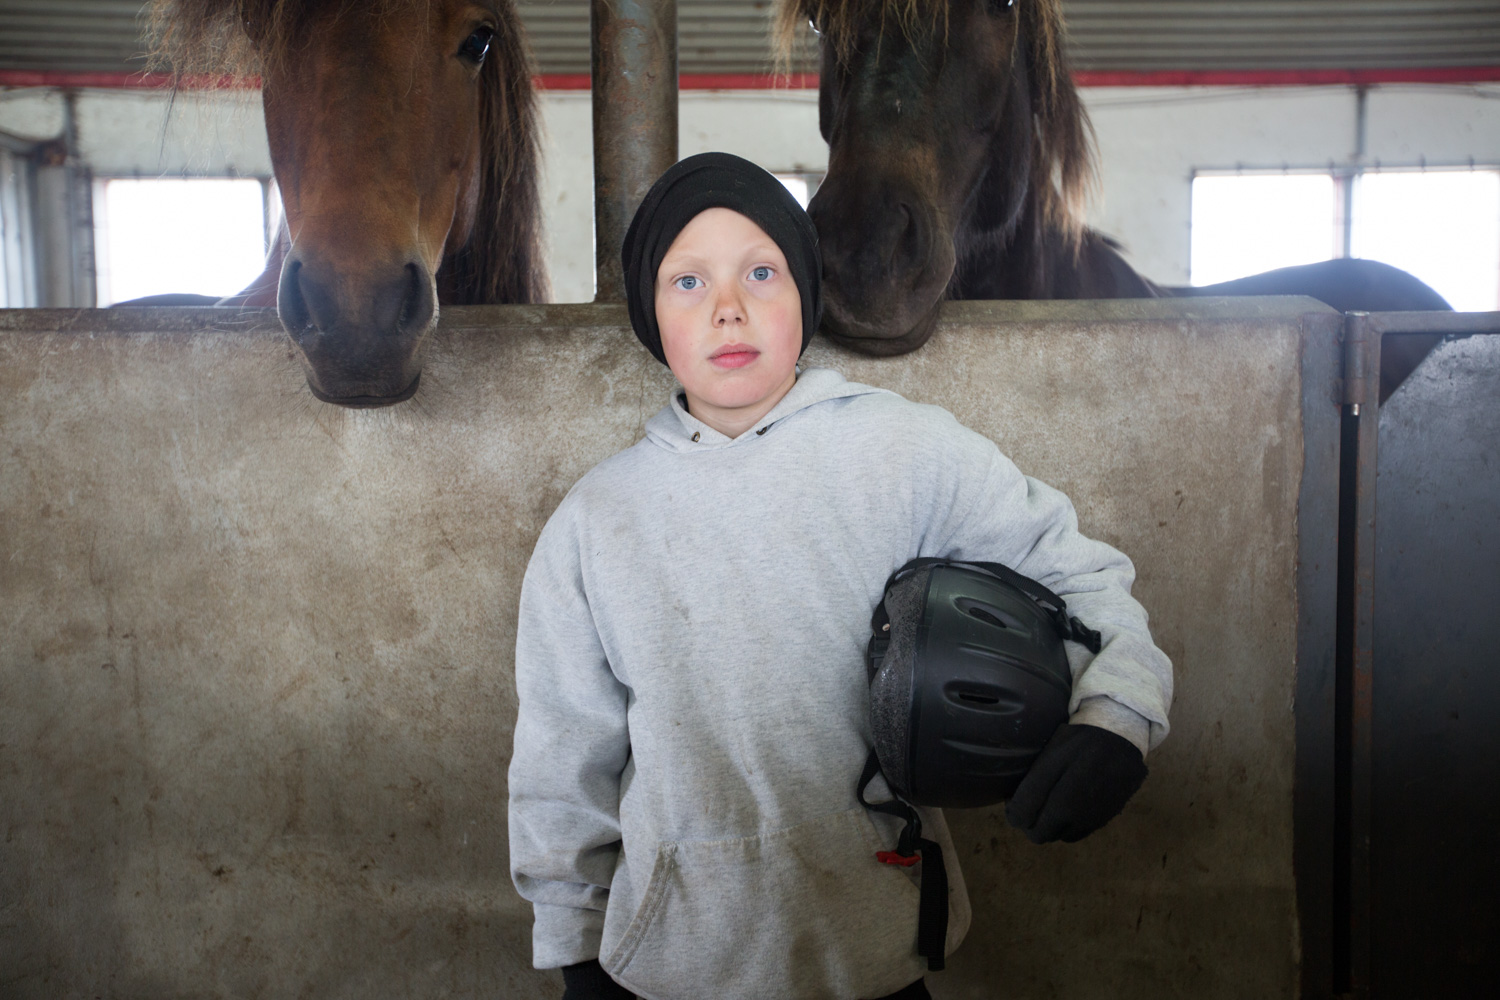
(760, 274)
(687, 282)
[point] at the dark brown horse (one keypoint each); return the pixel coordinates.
(959, 158)
(403, 137)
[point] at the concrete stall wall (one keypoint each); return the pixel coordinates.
(1151, 139)
(256, 689)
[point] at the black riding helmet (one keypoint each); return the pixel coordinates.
(968, 681)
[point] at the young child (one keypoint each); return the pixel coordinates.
(694, 706)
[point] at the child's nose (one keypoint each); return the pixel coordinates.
(728, 309)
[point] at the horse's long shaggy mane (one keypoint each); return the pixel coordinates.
(230, 40)
(1064, 139)
(503, 259)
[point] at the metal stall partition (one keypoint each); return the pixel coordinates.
(634, 80)
(256, 691)
(1419, 715)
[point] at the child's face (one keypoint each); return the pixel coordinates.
(730, 317)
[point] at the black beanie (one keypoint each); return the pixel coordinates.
(716, 180)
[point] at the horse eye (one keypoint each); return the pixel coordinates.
(997, 6)
(477, 45)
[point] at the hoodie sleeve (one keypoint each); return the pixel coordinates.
(983, 508)
(571, 745)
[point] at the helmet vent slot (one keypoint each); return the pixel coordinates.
(988, 697)
(983, 612)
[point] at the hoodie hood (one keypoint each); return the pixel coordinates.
(675, 429)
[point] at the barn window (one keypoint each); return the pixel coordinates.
(205, 235)
(802, 185)
(1441, 225)
(1248, 223)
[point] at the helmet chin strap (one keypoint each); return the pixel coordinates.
(911, 847)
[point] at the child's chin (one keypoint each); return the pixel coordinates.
(737, 402)
(735, 397)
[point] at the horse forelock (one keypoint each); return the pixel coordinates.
(840, 22)
(239, 39)
(211, 38)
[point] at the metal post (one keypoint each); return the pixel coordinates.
(1345, 178)
(635, 120)
(1362, 342)
(17, 231)
(64, 219)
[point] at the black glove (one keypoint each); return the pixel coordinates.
(1081, 780)
(589, 981)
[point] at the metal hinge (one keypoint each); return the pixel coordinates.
(1357, 372)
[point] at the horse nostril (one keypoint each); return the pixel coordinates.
(320, 307)
(906, 250)
(417, 304)
(291, 305)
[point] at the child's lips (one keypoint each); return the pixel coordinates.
(733, 356)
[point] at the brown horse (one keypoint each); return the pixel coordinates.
(959, 159)
(403, 137)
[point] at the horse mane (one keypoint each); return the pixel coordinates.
(502, 261)
(1063, 157)
(227, 41)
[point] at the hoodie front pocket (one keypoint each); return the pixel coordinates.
(802, 912)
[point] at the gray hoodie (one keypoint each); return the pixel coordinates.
(694, 709)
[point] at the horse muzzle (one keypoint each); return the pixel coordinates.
(876, 335)
(360, 335)
(886, 267)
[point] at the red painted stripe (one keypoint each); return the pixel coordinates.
(1288, 78)
(547, 81)
(1092, 78)
(747, 81)
(118, 81)
(698, 81)
(566, 81)
(799, 81)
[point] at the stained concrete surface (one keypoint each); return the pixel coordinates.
(255, 651)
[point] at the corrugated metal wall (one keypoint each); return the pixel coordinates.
(713, 36)
(729, 36)
(70, 35)
(1282, 34)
